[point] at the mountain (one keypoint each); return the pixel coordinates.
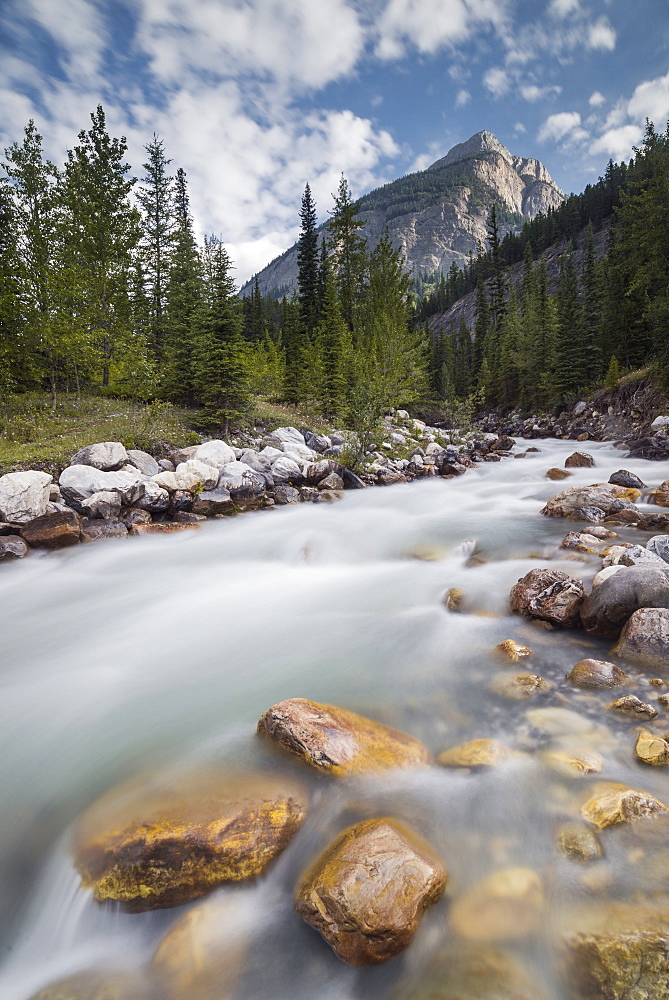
(438, 215)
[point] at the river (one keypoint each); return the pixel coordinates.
(122, 657)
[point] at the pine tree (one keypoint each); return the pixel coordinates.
(307, 264)
(481, 325)
(184, 293)
(13, 373)
(348, 251)
(570, 375)
(328, 355)
(498, 283)
(156, 197)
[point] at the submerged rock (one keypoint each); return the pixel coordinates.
(556, 474)
(96, 984)
(338, 741)
(504, 906)
(520, 687)
(367, 893)
(578, 842)
(472, 973)
(645, 637)
(611, 803)
(596, 674)
(475, 753)
(160, 842)
(512, 650)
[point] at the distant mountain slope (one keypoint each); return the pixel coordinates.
(438, 215)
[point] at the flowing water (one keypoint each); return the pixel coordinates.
(119, 658)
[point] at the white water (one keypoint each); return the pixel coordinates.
(119, 657)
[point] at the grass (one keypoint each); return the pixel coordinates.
(33, 436)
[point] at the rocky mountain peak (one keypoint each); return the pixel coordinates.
(480, 142)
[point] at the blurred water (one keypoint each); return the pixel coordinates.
(119, 657)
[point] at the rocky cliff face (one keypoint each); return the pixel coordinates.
(438, 215)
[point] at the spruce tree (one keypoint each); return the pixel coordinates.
(570, 373)
(156, 198)
(498, 283)
(328, 355)
(307, 263)
(184, 299)
(348, 251)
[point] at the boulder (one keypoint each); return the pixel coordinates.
(53, 531)
(24, 496)
(609, 605)
(578, 842)
(653, 522)
(617, 951)
(97, 531)
(206, 475)
(367, 893)
(504, 906)
(284, 494)
(556, 474)
(659, 546)
(604, 574)
(78, 482)
(652, 749)
(660, 496)
(101, 984)
(12, 547)
(503, 443)
(576, 498)
(624, 478)
(146, 463)
(315, 471)
(512, 650)
(550, 595)
(153, 843)
(579, 460)
(133, 515)
(596, 674)
(153, 499)
(107, 503)
(318, 442)
(239, 478)
(285, 435)
(475, 754)
(645, 638)
(573, 760)
(214, 502)
(299, 452)
(331, 482)
(215, 453)
(610, 803)
(634, 555)
(338, 741)
(633, 707)
(108, 456)
(185, 479)
(286, 470)
(519, 687)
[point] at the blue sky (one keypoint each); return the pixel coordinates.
(253, 98)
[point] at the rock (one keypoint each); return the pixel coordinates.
(179, 455)
(578, 842)
(634, 707)
(475, 754)
(609, 605)
(558, 474)
(52, 531)
(660, 496)
(24, 496)
(286, 470)
(285, 494)
(95, 531)
(659, 546)
(108, 456)
(653, 522)
(331, 482)
(452, 468)
(611, 803)
(146, 463)
(133, 515)
(153, 843)
(12, 547)
(596, 674)
(214, 502)
(624, 478)
(503, 443)
(574, 760)
(512, 650)
(505, 906)
(153, 499)
(576, 540)
(579, 460)
(100, 984)
(285, 435)
(166, 464)
(645, 638)
(634, 555)
(241, 480)
(652, 749)
(604, 574)
(388, 477)
(463, 972)
(550, 595)
(338, 741)
(367, 893)
(453, 599)
(617, 951)
(107, 503)
(317, 442)
(161, 528)
(78, 482)
(215, 453)
(315, 471)
(206, 476)
(300, 453)
(188, 517)
(568, 503)
(519, 687)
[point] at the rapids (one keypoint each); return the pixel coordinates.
(122, 657)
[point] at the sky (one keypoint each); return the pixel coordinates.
(255, 98)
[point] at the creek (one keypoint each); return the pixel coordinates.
(123, 657)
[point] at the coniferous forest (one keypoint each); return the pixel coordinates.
(104, 288)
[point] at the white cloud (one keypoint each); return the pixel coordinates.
(519, 128)
(531, 92)
(561, 8)
(563, 125)
(617, 142)
(601, 36)
(462, 97)
(623, 126)
(596, 99)
(497, 81)
(651, 100)
(429, 25)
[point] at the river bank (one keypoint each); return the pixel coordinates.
(162, 656)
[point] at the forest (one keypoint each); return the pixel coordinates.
(104, 288)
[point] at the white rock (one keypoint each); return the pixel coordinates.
(216, 453)
(420, 425)
(81, 481)
(299, 452)
(251, 458)
(604, 574)
(270, 454)
(397, 438)
(433, 448)
(401, 414)
(580, 408)
(107, 503)
(143, 461)
(188, 479)
(24, 495)
(238, 475)
(285, 468)
(285, 435)
(635, 554)
(105, 455)
(207, 474)
(185, 454)
(659, 422)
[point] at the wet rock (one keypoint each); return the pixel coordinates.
(579, 460)
(96, 984)
(329, 496)
(12, 547)
(625, 478)
(503, 443)
(161, 528)
(504, 906)
(285, 494)
(388, 477)
(596, 674)
(512, 650)
(653, 522)
(452, 469)
(472, 973)
(550, 595)
(367, 893)
(634, 707)
(108, 456)
(213, 502)
(556, 474)
(453, 599)
(95, 531)
(24, 496)
(107, 503)
(660, 496)
(215, 453)
(180, 500)
(520, 687)
(475, 754)
(659, 546)
(618, 951)
(578, 842)
(600, 496)
(611, 803)
(579, 542)
(52, 531)
(155, 843)
(605, 611)
(572, 761)
(338, 741)
(604, 574)
(652, 749)
(645, 637)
